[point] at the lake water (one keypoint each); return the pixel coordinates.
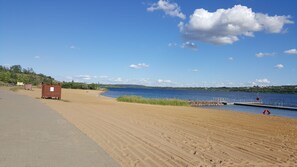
(266, 98)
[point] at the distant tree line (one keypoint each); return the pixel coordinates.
(80, 85)
(12, 75)
(291, 89)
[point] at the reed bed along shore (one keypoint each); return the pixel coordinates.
(139, 99)
(171, 102)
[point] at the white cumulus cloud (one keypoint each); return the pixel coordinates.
(172, 45)
(139, 66)
(161, 81)
(119, 79)
(262, 81)
(279, 66)
(189, 45)
(171, 9)
(85, 77)
(291, 51)
(103, 76)
(225, 26)
(261, 54)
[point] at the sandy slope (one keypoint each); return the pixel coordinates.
(149, 135)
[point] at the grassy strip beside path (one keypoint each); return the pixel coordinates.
(139, 99)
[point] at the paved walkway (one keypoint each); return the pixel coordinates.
(33, 135)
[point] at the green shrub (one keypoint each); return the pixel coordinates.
(139, 99)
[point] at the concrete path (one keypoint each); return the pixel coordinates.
(33, 135)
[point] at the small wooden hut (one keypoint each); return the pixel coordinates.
(51, 91)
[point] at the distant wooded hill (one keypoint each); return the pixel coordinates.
(12, 75)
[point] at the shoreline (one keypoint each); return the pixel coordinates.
(274, 89)
(280, 111)
(152, 135)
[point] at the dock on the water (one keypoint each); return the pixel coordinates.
(258, 104)
(199, 103)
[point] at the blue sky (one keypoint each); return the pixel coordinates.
(153, 42)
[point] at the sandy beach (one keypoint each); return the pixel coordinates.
(152, 135)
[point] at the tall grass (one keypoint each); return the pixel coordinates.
(139, 99)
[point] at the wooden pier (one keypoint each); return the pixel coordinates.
(258, 104)
(199, 103)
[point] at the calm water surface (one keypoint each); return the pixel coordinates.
(266, 98)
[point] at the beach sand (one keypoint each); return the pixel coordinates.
(151, 135)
